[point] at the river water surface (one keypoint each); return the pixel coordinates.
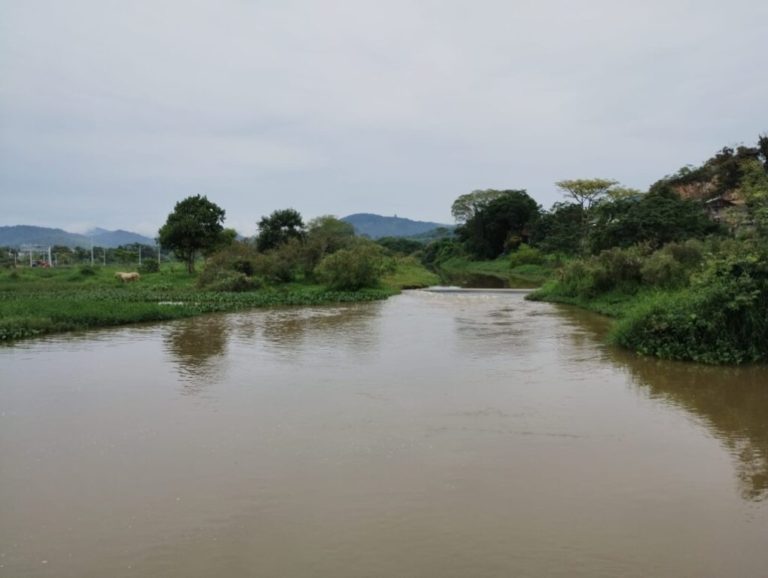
(431, 435)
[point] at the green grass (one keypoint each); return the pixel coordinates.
(614, 303)
(409, 274)
(529, 274)
(41, 301)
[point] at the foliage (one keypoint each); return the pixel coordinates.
(150, 266)
(754, 188)
(87, 270)
(230, 269)
(672, 265)
(468, 205)
(195, 225)
(441, 250)
(586, 192)
(32, 303)
(721, 318)
(500, 225)
(722, 173)
(408, 273)
(229, 281)
(526, 255)
(278, 228)
(656, 218)
(400, 245)
(325, 235)
(362, 265)
(560, 229)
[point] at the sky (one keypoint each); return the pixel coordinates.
(113, 111)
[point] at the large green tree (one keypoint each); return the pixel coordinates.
(278, 228)
(560, 229)
(499, 225)
(656, 218)
(467, 206)
(325, 235)
(195, 225)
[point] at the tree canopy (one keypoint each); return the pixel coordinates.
(466, 206)
(278, 228)
(655, 218)
(586, 192)
(195, 225)
(499, 225)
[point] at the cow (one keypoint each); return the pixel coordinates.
(127, 277)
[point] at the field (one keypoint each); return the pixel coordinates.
(41, 301)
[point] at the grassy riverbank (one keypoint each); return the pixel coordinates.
(695, 301)
(42, 301)
(525, 274)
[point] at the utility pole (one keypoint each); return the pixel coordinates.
(139, 255)
(50, 260)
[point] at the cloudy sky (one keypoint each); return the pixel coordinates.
(112, 111)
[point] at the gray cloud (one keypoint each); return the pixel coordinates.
(110, 112)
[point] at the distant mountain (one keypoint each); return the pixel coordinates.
(377, 226)
(104, 238)
(17, 235)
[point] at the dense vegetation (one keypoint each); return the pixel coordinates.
(684, 266)
(288, 264)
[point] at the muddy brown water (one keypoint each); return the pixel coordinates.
(445, 435)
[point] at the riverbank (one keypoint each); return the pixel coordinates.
(35, 302)
(699, 302)
(463, 271)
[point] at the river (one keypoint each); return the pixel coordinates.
(430, 435)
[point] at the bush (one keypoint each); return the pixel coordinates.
(88, 270)
(441, 250)
(230, 269)
(229, 281)
(526, 255)
(351, 269)
(149, 267)
(721, 318)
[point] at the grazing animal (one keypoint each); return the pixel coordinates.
(127, 277)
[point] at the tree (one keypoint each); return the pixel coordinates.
(499, 225)
(278, 228)
(325, 235)
(466, 206)
(586, 192)
(559, 230)
(655, 218)
(195, 225)
(361, 265)
(754, 189)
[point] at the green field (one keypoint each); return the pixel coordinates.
(41, 301)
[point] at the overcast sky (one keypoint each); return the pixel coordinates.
(112, 111)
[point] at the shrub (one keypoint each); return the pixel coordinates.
(351, 269)
(88, 270)
(229, 281)
(526, 255)
(721, 318)
(149, 267)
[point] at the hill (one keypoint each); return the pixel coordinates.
(16, 235)
(377, 226)
(104, 238)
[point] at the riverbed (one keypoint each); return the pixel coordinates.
(433, 434)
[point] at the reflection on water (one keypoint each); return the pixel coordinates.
(731, 402)
(198, 346)
(445, 435)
